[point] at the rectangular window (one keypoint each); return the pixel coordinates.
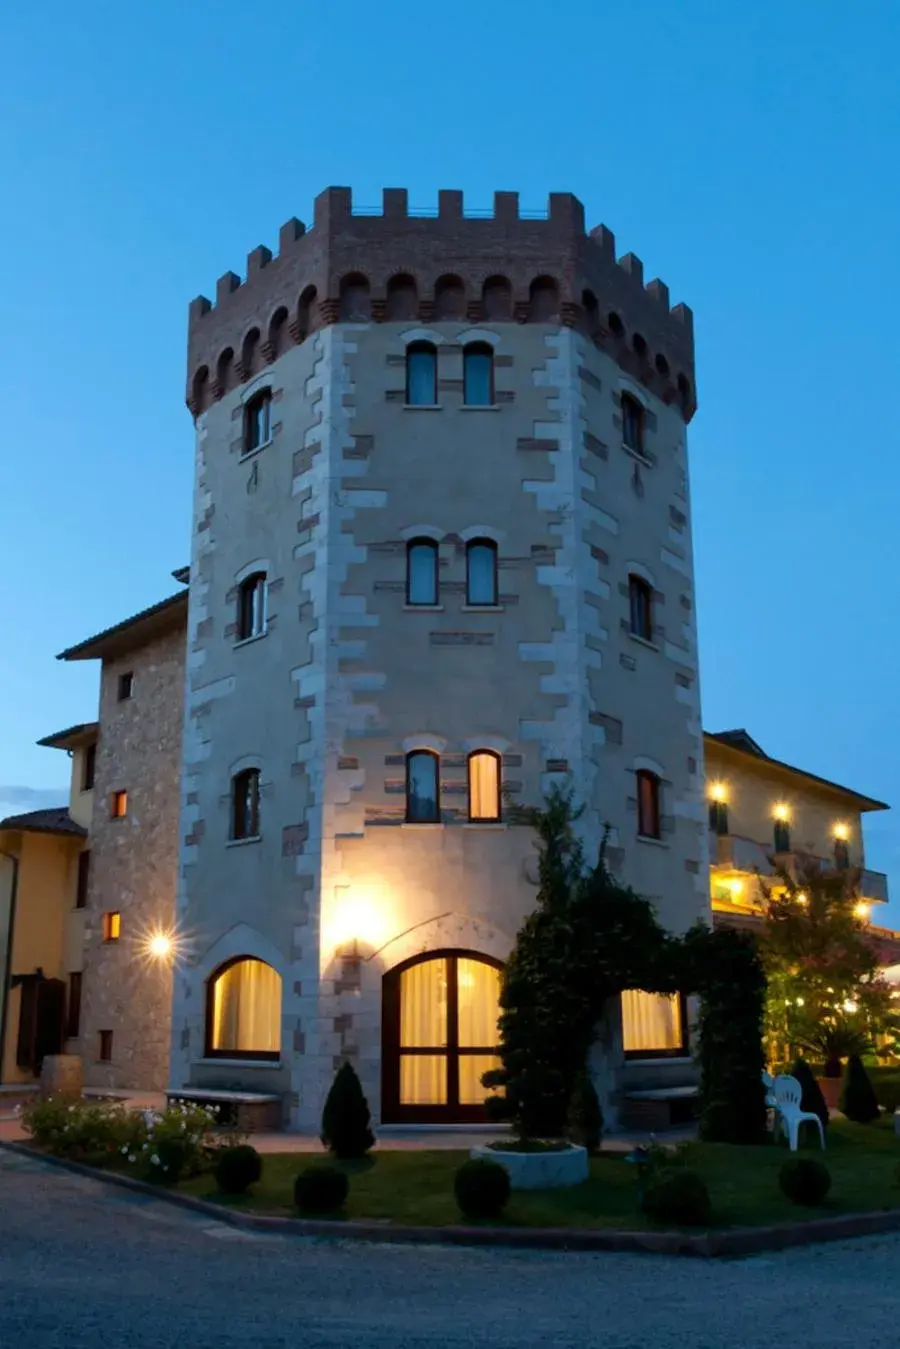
(640, 604)
(252, 607)
(88, 767)
(648, 804)
(118, 808)
(718, 817)
(112, 926)
(126, 685)
(654, 1025)
(781, 836)
(106, 1046)
(73, 1011)
(245, 804)
(484, 785)
(81, 884)
(258, 421)
(422, 789)
(632, 423)
(841, 854)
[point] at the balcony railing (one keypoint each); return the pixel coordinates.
(736, 853)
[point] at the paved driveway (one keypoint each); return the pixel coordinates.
(83, 1264)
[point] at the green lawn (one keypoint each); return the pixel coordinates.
(417, 1187)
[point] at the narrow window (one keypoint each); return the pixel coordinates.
(251, 619)
(648, 804)
(126, 686)
(718, 817)
(106, 1043)
(90, 764)
(640, 604)
(422, 572)
(478, 375)
(73, 1010)
(245, 804)
(422, 799)
(421, 374)
(841, 854)
(118, 805)
(484, 785)
(781, 836)
(81, 884)
(632, 423)
(481, 572)
(112, 926)
(258, 421)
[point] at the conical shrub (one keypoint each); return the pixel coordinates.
(346, 1117)
(812, 1098)
(858, 1100)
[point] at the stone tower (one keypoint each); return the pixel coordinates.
(441, 560)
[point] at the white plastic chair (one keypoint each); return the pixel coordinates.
(786, 1095)
(768, 1082)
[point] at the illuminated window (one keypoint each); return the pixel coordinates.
(648, 804)
(251, 617)
(112, 926)
(81, 882)
(421, 374)
(106, 1046)
(119, 805)
(126, 686)
(654, 1025)
(422, 788)
(478, 375)
(632, 423)
(258, 421)
(484, 785)
(422, 572)
(718, 817)
(243, 1011)
(481, 572)
(640, 605)
(245, 804)
(89, 767)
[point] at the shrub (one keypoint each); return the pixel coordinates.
(812, 1098)
(175, 1143)
(345, 1119)
(320, 1189)
(85, 1131)
(481, 1188)
(236, 1169)
(804, 1180)
(858, 1100)
(678, 1196)
(585, 1115)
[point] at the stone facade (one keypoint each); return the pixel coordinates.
(133, 866)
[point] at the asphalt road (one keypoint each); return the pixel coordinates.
(83, 1264)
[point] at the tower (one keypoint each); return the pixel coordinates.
(441, 561)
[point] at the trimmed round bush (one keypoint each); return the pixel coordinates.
(804, 1180)
(678, 1196)
(320, 1189)
(237, 1169)
(481, 1188)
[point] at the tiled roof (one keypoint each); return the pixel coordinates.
(132, 632)
(55, 820)
(70, 736)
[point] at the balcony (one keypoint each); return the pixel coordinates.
(873, 886)
(731, 852)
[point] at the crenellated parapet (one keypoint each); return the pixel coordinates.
(502, 267)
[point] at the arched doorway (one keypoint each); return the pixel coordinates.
(439, 1034)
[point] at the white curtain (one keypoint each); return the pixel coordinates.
(247, 1008)
(651, 1021)
(484, 787)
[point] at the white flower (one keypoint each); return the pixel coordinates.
(131, 1157)
(145, 1147)
(154, 1160)
(125, 1150)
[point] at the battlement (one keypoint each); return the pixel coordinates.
(506, 265)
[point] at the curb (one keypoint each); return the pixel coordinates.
(735, 1241)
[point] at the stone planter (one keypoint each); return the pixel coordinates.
(831, 1090)
(540, 1170)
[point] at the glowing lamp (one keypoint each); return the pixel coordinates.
(801, 899)
(782, 812)
(851, 1006)
(718, 792)
(737, 888)
(841, 832)
(160, 945)
(861, 910)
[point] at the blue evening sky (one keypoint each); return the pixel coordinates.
(747, 152)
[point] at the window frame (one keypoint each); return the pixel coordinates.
(112, 926)
(478, 349)
(253, 812)
(105, 1052)
(634, 415)
(262, 399)
(73, 1005)
(125, 687)
(260, 1055)
(433, 755)
(255, 583)
(431, 544)
(498, 759)
(718, 818)
(117, 798)
(640, 605)
(89, 767)
(490, 546)
(781, 836)
(681, 1051)
(643, 775)
(413, 350)
(82, 878)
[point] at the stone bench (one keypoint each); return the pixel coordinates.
(659, 1107)
(250, 1112)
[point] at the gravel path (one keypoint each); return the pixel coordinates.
(83, 1264)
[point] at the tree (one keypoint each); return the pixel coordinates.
(858, 1099)
(345, 1118)
(812, 1098)
(825, 995)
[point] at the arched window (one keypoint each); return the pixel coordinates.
(632, 423)
(648, 803)
(354, 298)
(402, 298)
(481, 572)
(245, 804)
(278, 333)
(249, 353)
(640, 608)
(421, 571)
(258, 421)
(478, 374)
(440, 1036)
(243, 1011)
(251, 616)
(484, 785)
(544, 300)
(421, 374)
(423, 804)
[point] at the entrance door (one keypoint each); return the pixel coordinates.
(439, 1034)
(41, 1017)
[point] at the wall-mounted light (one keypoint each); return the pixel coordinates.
(841, 831)
(861, 910)
(718, 792)
(160, 946)
(781, 812)
(801, 899)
